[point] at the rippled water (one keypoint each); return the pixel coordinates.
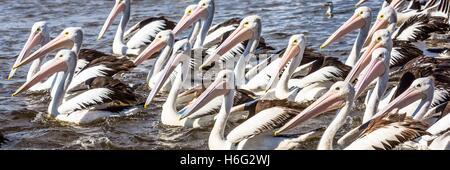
(22, 118)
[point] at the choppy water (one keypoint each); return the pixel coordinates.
(22, 120)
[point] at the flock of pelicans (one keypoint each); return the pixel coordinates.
(403, 85)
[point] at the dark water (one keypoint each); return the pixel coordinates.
(22, 118)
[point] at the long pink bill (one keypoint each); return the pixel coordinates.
(376, 68)
(187, 20)
(118, 7)
(148, 52)
(171, 65)
(33, 40)
(217, 88)
(58, 43)
(57, 65)
(328, 102)
(355, 22)
(239, 35)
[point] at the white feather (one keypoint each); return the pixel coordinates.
(410, 33)
(91, 72)
(143, 35)
(262, 122)
(85, 99)
(212, 37)
(322, 75)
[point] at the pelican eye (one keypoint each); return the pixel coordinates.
(38, 29)
(337, 88)
(362, 12)
(419, 85)
(295, 41)
(66, 33)
(246, 23)
(381, 16)
(189, 12)
(204, 4)
(60, 56)
(379, 39)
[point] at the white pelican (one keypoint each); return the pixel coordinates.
(360, 20)
(139, 35)
(90, 65)
(414, 101)
(180, 64)
(164, 42)
(252, 134)
(39, 35)
(90, 105)
(340, 95)
(377, 70)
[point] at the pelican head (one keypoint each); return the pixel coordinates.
(71, 37)
(177, 58)
(194, 13)
(340, 94)
(39, 34)
(222, 85)
(360, 18)
(377, 67)
(381, 38)
(163, 39)
(119, 6)
(420, 89)
(64, 61)
(295, 48)
(386, 17)
(248, 29)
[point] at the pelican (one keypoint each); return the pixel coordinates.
(90, 65)
(417, 28)
(340, 95)
(378, 70)
(252, 134)
(90, 105)
(360, 20)
(139, 35)
(164, 42)
(388, 132)
(180, 64)
(421, 90)
(39, 35)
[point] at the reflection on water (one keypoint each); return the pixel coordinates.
(23, 120)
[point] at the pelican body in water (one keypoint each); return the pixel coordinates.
(90, 105)
(254, 133)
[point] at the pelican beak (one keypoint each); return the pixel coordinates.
(55, 66)
(407, 97)
(242, 33)
(328, 102)
(171, 65)
(355, 22)
(188, 19)
(118, 7)
(59, 42)
(376, 68)
(363, 61)
(153, 48)
(360, 2)
(217, 88)
(290, 53)
(378, 25)
(33, 40)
